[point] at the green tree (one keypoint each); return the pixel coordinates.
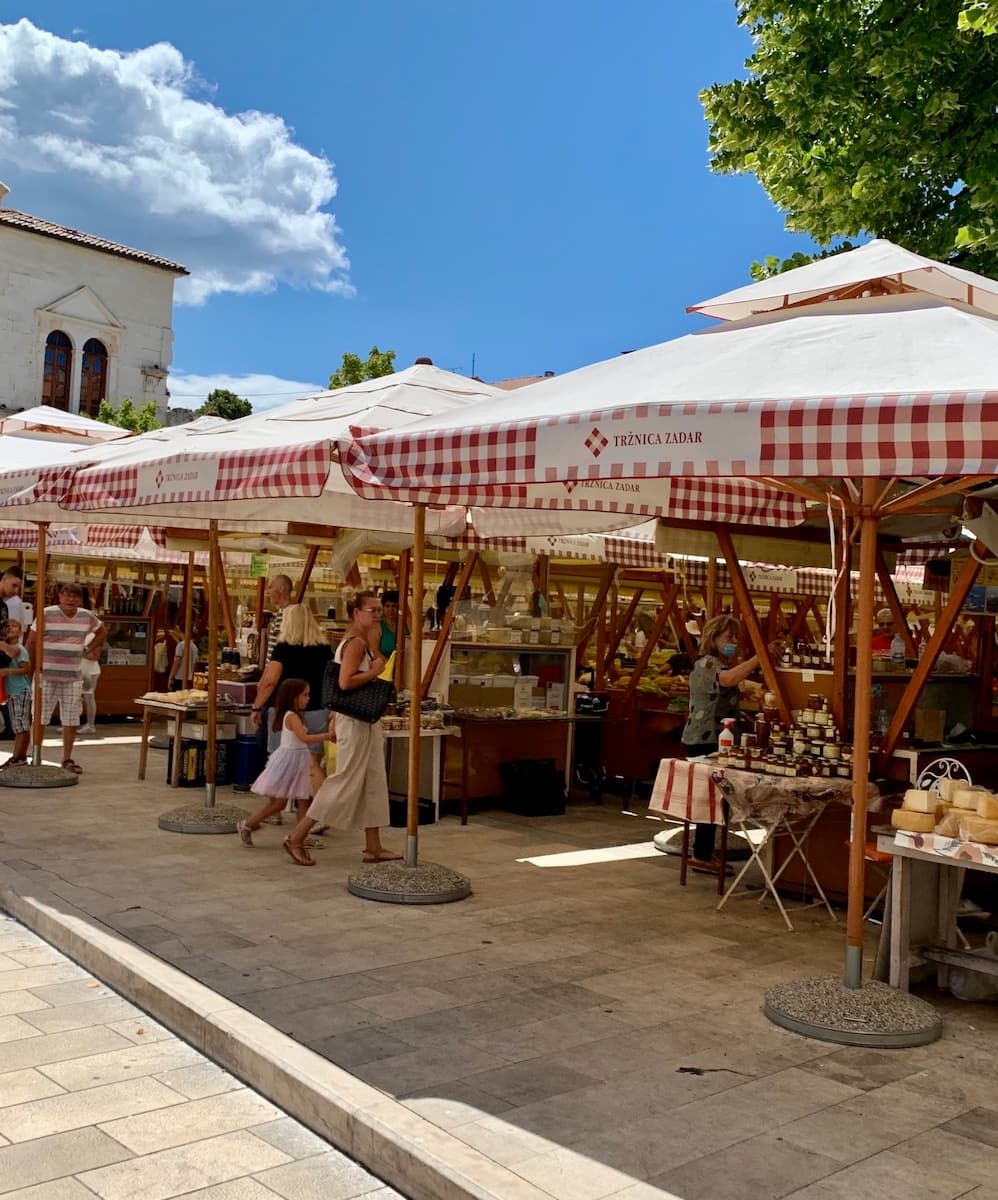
(127, 416)
(223, 403)
(869, 116)
(354, 369)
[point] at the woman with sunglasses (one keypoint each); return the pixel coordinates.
(356, 795)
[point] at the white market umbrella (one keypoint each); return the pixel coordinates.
(879, 265)
(900, 390)
(55, 425)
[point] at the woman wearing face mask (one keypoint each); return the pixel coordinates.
(714, 684)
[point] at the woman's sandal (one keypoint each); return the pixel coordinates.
(300, 855)
(381, 856)
(13, 762)
(69, 765)
(245, 833)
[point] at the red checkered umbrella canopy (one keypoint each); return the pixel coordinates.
(885, 386)
(269, 469)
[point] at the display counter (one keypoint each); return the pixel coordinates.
(126, 665)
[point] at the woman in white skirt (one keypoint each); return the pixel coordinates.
(356, 795)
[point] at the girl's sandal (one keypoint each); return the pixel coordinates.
(245, 833)
(69, 765)
(300, 855)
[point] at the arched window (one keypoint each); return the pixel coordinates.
(93, 377)
(58, 370)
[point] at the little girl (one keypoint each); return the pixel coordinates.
(287, 773)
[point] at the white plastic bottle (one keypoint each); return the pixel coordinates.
(726, 738)
(897, 649)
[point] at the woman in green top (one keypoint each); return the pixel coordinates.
(714, 684)
(388, 627)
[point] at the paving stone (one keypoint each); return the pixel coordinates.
(49, 1158)
(74, 1110)
(117, 1065)
(184, 1168)
(54, 1048)
(322, 1177)
(201, 1079)
(18, 1087)
(80, 1016)
(189, 1122)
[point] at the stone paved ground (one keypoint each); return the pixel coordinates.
(544, 1020)
(96, 1099)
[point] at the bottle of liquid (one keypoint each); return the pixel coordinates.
(897, 649)
(726, 738)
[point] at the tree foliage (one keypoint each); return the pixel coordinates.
(355, 369)
(223, 403)
(127, 416)
(870, 116)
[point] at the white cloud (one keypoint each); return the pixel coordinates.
(262, 391)
(124, 143)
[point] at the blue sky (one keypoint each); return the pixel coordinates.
(524, 182)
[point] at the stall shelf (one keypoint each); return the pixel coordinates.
(486, 676)
(126, 664)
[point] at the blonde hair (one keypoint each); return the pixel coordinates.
(714, 628)
(299, 627)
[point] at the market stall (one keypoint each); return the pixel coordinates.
(863, 389)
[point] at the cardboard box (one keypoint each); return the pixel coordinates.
(476, 695)
(242, 693)
(198, 731)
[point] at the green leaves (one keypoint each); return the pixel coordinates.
(223, 403)
(870, 117)
(127, 416)
(354, 369)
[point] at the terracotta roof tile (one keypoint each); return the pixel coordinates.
(19, 220)
(510, 385)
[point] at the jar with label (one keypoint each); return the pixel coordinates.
(818, 747)
(832, 751)
(813, 730)
(843, 770)
(822, 716)
(847, 755)
(814, 701)
(762, 730)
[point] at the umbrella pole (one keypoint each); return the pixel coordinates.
(214, 581)
(41, 586)
(187, 675)
(412, 882)
(415, 670)
(207, 817)
(846, 1009)
(868, 523)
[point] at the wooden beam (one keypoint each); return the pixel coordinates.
(959, 591)
(840, 657)
(306, 575)
(796, 487)
(617, 634)
(894, 604)
(489, 591)
(751, 619)
(669, 597)
(609, 573)
(599, 678)
(567, 609)
(223, 596)
(187, 674)
(405, 621)
(447, 622)
(712, 597)
(930, 492)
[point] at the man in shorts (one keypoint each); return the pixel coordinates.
(67, 627)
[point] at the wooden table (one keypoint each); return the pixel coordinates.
(436, 760)
(777, 806)
(178, 713)
(928, 934)
(468, 725)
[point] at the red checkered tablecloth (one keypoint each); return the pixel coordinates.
(684, 789)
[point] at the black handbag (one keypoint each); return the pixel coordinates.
(365, 703)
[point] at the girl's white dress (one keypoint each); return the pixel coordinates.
(287, 769)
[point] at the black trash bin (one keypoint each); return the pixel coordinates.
(533, 787)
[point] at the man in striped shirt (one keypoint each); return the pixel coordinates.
(67, 627)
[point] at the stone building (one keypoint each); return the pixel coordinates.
(81, 318)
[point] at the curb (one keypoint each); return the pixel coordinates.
(393, 1142)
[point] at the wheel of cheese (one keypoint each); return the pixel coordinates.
(977, 829)
(916, 800)
(987, 806)
(965, 797)
(913, 822)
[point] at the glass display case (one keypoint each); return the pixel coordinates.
(126, 664)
